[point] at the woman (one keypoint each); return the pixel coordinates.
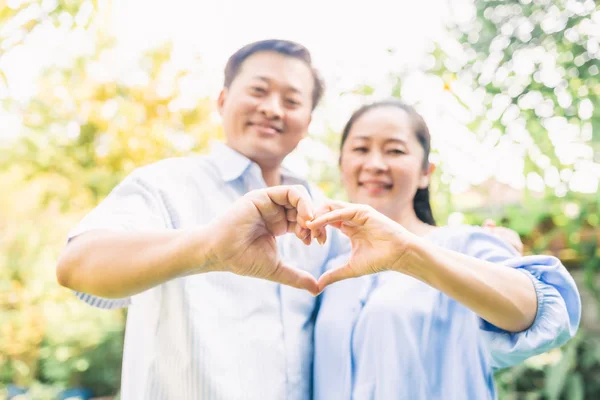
(435, 309)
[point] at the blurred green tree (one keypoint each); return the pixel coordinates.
(80, 135)
(533, 67)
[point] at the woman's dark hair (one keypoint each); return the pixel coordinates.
(421, 200)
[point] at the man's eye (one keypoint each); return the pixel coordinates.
(258, 90)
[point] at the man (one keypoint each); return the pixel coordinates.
(165, 241)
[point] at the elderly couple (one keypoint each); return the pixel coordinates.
(244, 282)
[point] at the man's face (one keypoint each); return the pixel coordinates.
(267, 108)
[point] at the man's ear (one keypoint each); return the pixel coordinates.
(424, 182)
(221, 100)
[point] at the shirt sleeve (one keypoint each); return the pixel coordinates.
(558, 302)
(133, 205)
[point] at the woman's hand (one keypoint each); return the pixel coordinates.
(378, 243)
(510, 236)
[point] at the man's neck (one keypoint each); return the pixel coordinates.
(271, 176)
(271, 170)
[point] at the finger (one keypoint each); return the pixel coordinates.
(272, 214)
(518, 245)
(333, 217)
(329, 206)
(291, 214)
(296, 196)
(301, 233)
(511, 237)
(321, 233)
(489, 223)
(274, 203)
(294, 277)
(336, 275)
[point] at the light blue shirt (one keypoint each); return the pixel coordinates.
(215, 335)
(389, 336)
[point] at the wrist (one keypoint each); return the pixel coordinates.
(199, 251)
(413, 258)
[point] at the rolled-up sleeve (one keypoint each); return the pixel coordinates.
(133, 205)
(558, 303)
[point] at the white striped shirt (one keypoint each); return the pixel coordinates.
(215, 335)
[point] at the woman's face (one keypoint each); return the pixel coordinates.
(382, 161)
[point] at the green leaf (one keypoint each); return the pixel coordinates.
(558, 373)
(575, 387)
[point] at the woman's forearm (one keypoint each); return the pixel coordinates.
(500, 295)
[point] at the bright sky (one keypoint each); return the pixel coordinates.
(348, 41)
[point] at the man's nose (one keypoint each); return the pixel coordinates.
(270, 107)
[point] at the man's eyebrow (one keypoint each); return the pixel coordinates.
(288, 87)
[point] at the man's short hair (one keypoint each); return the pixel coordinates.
(285, 47)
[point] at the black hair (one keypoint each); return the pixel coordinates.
(285, 47)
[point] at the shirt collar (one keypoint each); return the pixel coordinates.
(232, 165)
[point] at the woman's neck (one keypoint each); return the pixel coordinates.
(409, 220)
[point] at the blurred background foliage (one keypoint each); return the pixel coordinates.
(531, 65)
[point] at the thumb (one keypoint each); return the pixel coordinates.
(294, 277)
(489, 223)
(336, 275)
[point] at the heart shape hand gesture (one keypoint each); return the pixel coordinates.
(243, 240)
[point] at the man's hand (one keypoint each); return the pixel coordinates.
(506, 234)
(243, 239)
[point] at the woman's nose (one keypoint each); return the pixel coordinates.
(375, 162)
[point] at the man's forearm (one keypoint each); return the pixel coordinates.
(120, 264)
(501, 295)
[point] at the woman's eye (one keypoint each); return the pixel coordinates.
(396, 151)
(360, 149)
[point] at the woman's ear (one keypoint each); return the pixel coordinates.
(425, 178)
